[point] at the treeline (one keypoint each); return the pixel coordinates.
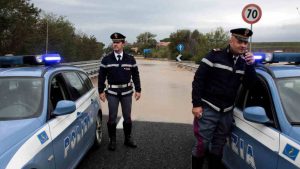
(196, 44)
(23, 31)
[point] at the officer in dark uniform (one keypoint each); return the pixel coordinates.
(121, 72)
(214, 90)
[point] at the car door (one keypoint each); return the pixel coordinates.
(250, 142)
(64, 129)
(82, 96)
(93, 98)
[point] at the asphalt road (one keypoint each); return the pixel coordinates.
(162, 123)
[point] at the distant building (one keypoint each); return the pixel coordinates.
(164, 44)
(135, 49)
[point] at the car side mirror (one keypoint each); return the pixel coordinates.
(64, 107)
(256, 114)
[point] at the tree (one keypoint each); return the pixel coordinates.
(18, 19)
(197, 45)
(145, 41)
(216, 39)
(180, 37)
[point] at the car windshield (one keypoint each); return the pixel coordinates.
(289, 90)
(20, 97)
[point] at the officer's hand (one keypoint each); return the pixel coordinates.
(249, 58)
(197, 112)
(102, 96)
(137, 95)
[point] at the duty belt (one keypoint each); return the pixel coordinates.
(119, 86)
(217, 108)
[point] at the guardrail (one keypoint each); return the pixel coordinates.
(188, 66)
(91, 67)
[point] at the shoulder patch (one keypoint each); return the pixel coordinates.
(217, 50)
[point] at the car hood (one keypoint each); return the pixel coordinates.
(15, 131)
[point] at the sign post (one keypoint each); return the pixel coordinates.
(251, 14)
(180, 48)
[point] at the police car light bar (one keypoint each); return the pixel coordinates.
(50, 59)
(276, 57)
(16, 61)
(27, 60)
(285, 57)
(259, 55)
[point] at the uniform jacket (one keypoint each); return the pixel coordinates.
(118, 73)
(217, 80)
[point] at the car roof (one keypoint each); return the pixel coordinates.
(283, 71)
(33, 71)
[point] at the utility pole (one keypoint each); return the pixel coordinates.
(298, 10)
(47, 37)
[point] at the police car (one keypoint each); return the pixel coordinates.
(50, 114)
(266, 130)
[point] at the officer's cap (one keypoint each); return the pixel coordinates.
(241, 34)
(117, 37)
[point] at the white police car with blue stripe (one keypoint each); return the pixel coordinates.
(50, 115)
(266, 130)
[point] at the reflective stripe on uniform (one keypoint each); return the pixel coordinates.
(221, 66)
(209, 63)
(112, 65)
(216, 107)
(112, 92)
(217, 65)
(119, 86)
(126, 65)
(240, 72)
(102, 65)
(124, 93)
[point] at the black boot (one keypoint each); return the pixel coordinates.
(215, 161)
(127, 132)
(112, 136)
(197, 163)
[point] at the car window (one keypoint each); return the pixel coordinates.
(86, 80)
(289, 91)
(21, 97)
(58, 91)
(75, 85)
(258, 95)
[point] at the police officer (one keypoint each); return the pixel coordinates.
(214, 90)
(121, 72)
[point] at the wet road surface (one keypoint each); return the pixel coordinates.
(162, 123)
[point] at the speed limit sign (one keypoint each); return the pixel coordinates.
(251, 13)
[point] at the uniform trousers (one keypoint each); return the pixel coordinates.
(113, 106)
(211, 131)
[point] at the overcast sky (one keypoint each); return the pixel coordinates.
(280, 19)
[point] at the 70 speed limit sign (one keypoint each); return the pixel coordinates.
(251, 13)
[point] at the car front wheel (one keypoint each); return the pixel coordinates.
(99, 132)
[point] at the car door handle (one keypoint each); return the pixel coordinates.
(79, 114)
(93, 101)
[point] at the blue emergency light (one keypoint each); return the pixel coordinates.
(259, 57)
(29, 60)
(276, 57)
(50, 59)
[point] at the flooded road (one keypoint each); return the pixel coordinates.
(162, 123)
(166, 93)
